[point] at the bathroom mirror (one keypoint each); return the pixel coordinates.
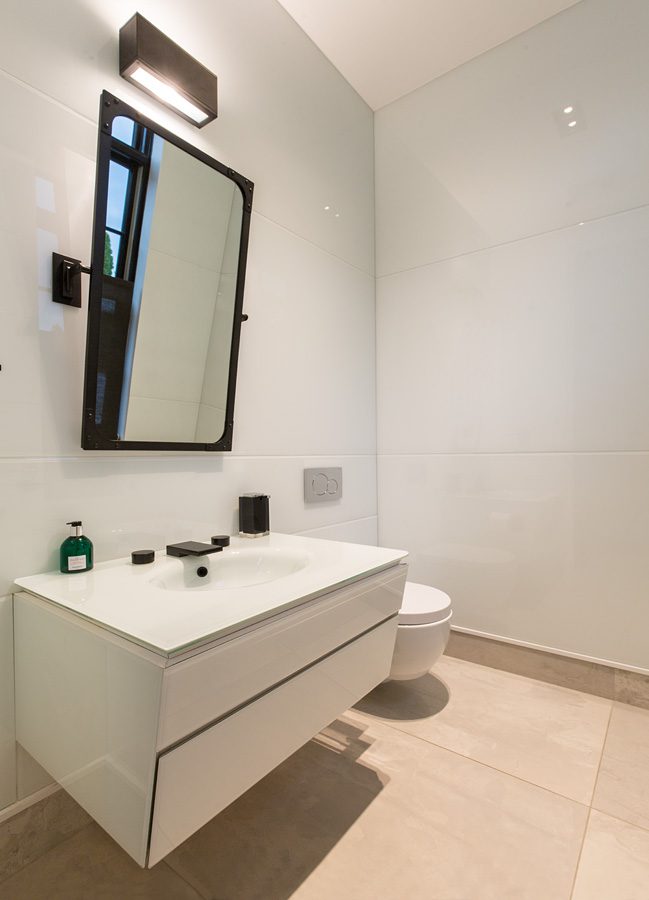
(169, 249)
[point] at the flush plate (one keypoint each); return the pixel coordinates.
(323, 484)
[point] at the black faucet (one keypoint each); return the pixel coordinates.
(192, 548)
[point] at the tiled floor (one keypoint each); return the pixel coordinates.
(469, 784)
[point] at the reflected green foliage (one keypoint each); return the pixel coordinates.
(109, 262)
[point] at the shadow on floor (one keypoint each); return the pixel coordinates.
(406, 700)
(268, 842)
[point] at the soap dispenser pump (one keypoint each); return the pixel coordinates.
(76, 551)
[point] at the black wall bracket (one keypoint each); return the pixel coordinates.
(66, 279)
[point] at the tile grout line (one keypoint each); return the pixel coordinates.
(579, 855)
(199, 893)
(188, 456)
(590, 807)
(601, 755)
(312, 243)
(411, 454)
(68, 837)
(307, 531)
(616, 818)
(34, 89)
(535, 235)
(478, 762)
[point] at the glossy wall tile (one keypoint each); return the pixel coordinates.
(7, 723)
(486, 154)
(548, 549)
(307, 362)
(306, 142)
(539, 345)
(512, 329)
(136, 502)
(362, 531)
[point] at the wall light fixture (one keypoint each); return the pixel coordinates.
(151, 60)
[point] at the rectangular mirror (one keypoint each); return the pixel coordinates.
(170, 240)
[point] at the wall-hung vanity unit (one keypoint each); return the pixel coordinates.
(156, 697)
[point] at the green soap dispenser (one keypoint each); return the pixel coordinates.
(76, 551)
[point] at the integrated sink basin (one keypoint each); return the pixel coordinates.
(169, 608)
(232, 568)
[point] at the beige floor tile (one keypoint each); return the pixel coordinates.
(368, 812)
(623, 782)
(614, 863)
(90, 866)
(548, 735)
(28, 835)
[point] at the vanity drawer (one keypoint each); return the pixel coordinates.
(199, 778)
(210, 684)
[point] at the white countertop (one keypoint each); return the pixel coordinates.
(126, 600)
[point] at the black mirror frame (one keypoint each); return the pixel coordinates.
(91, 438)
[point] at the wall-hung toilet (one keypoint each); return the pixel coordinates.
(422, 633)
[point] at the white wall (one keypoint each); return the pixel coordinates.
(513, 327)
(290, 123)
(7, 722)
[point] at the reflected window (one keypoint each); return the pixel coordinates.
(128, 173)
(123, 129)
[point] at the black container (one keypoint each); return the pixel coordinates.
(254, 515)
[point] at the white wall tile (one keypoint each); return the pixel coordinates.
(287, 118)
(30, 776)
(482, 155)
(512, 362)
(362, 531)
(306, 379)
(139, 502)
(536, 345)
(545, 548)
(7, 720)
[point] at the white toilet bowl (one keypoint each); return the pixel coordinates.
(422, 633)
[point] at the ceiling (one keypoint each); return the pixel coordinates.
(387, 48)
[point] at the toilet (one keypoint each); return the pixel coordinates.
(423, 630)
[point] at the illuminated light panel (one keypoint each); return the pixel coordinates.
(168, 94)
(153, 62)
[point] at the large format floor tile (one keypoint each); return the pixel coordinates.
(91, 865)
(37, 830)
(623, 783)
(369, 812)
(614, 863)
(544, 734)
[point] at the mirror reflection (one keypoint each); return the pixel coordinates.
(171, 253)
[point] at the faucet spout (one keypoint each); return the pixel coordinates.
(192, 548)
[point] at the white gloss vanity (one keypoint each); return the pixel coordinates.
(156, 697)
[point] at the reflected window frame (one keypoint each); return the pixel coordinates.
(135, 158)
